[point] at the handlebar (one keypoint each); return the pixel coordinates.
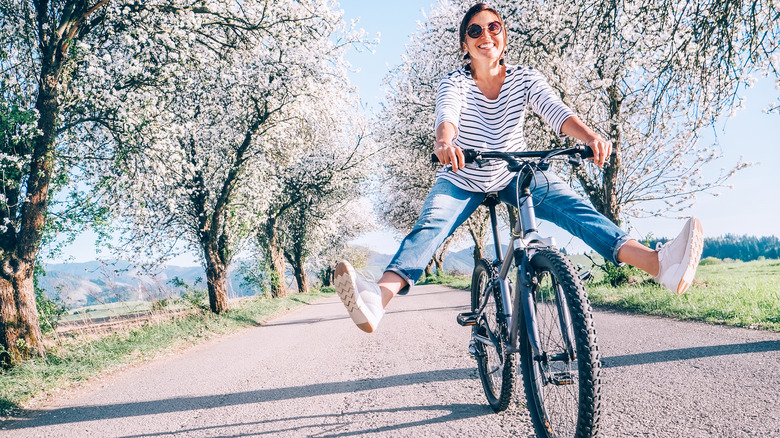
(575, 153)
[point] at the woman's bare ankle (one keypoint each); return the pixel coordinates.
(640, 256)
(390, 284)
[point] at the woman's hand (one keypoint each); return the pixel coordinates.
(602, 149)
(448, 153)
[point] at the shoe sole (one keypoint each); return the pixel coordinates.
(697, 245)
(345, 288)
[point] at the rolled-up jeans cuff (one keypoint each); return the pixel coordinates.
(619, 244)
(409, 282)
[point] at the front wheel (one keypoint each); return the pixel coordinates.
(497, 368)
(562, 384)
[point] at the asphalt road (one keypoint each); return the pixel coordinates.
(312, 373)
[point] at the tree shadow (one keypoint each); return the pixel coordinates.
(48, 417)
(313, 320)
(689, 353)
(328, 425)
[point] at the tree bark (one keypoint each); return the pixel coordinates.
(275, 255)
(326, 275)
(438, 257)
(216, 281)
(611, 207)
(20, 331)
(477, 226)
(300, 276)
(429, 269)
(605, 197)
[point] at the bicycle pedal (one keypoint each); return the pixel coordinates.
(466, 319)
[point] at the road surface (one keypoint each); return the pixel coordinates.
(312, 373)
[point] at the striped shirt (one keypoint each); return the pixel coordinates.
(494, 125)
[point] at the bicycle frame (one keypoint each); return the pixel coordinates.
(546, 305)
(525, 240)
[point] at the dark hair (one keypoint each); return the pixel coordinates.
(474, 10)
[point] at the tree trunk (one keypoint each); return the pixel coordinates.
(326, 276)
(609, 204)
(275, 256)
(477, 226)
(429, 269)
(19, 324)
(216, 281)
(20, 331)
(512, 213)
(438, 257)
(300, 276)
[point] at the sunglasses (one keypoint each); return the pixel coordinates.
(475, 30)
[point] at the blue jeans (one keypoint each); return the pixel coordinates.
(448, 206)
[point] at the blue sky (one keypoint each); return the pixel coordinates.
(752, 207)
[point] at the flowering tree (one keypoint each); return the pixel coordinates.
(198, 173)
(649, 76)
(111, 85)
(313, 208)
(39, 41)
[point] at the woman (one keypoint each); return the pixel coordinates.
(482, 106)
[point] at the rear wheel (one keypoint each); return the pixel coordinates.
(562, 384)
(497, 368)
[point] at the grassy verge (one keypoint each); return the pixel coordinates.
(736, 293)
(78, 358)
(743, 294)
(453, 281)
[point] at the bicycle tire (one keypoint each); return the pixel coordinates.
(497, 368)
(564, 396)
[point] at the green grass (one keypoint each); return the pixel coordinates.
(737, 293)
(78, 359)
(454, 281)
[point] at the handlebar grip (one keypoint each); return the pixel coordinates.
(587, 152)
(469, 154)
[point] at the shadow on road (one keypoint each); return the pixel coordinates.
(328, 425)
(689, 353)
(36, 418)
(345, 315)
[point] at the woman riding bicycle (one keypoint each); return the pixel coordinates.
(482, 106)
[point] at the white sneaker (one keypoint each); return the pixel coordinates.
(362, 297)
(679, 258)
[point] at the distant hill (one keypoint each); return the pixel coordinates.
(82, 284)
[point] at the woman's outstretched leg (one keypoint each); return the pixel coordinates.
(445, 208)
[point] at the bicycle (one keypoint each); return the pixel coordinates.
(548, 324)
